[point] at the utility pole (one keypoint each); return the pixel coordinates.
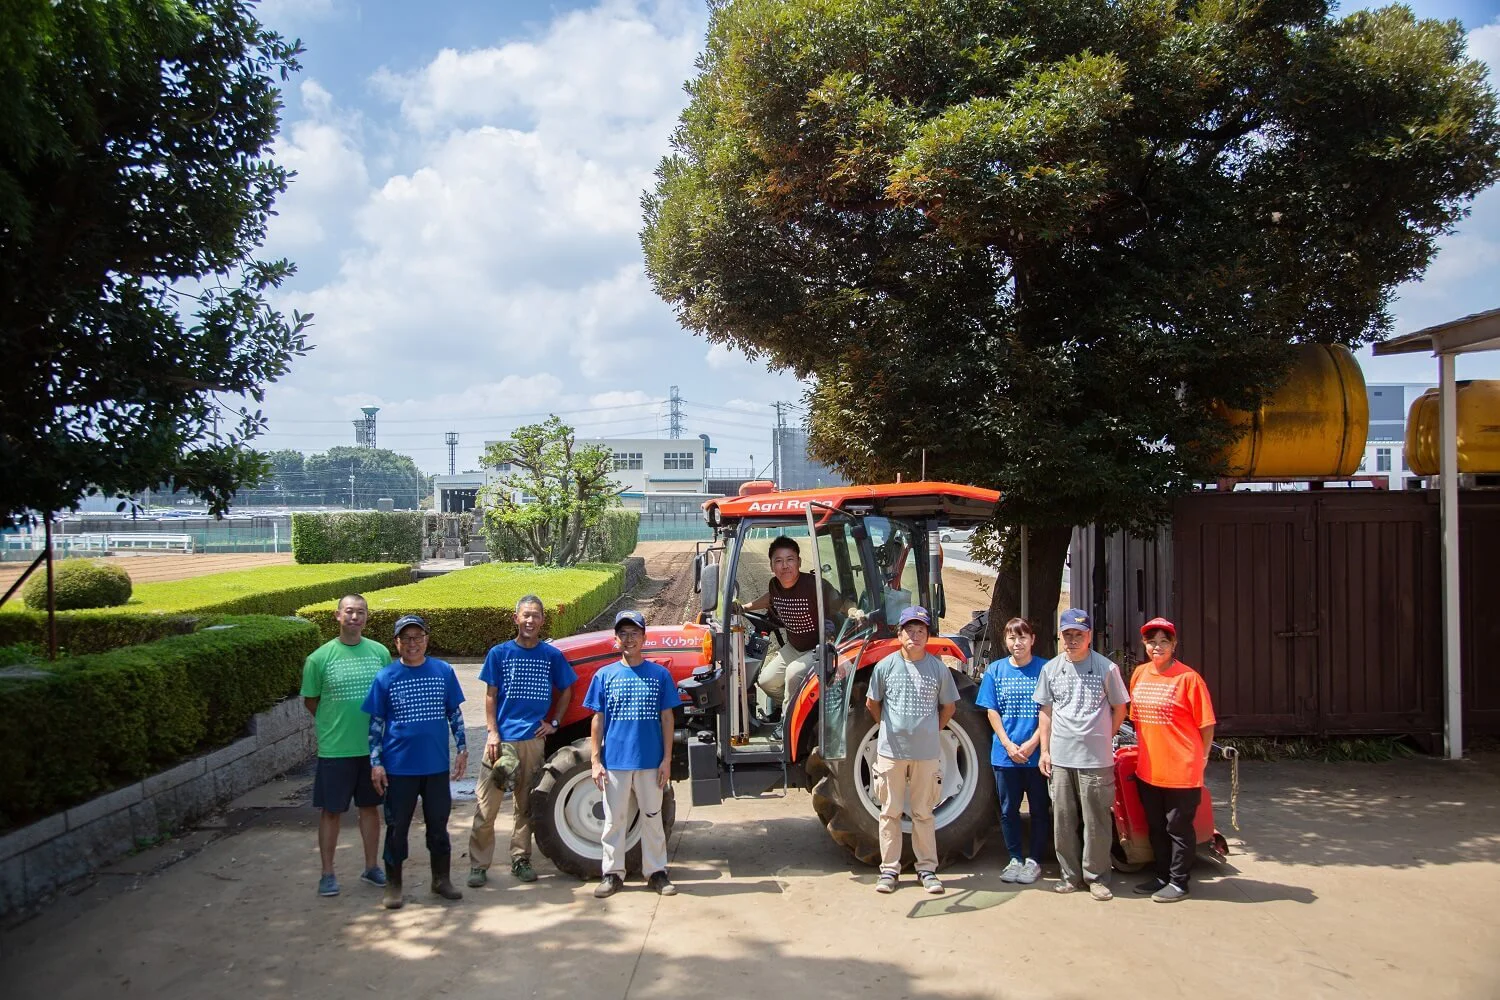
(351, 486)
(675, 430)
(776, 460)
(452, 439)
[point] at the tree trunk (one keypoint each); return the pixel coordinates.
(1047, 549)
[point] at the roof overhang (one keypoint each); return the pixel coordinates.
(1479, 332)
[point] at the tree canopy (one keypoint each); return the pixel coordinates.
(552, 492)
(1041, 240)
(134, 189)
(323, 479)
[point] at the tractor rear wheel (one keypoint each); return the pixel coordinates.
(965, 817)
(567, 816)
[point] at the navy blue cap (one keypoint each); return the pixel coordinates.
(915, 613)
(1076, 619)
(630, 618)
(406, 620)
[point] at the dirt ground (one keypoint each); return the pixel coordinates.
(1347, 880)
(152, 567)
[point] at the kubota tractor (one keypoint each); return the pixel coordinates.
(877, 547)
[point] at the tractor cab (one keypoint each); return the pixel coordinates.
(872, 551)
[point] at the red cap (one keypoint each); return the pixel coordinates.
(1159, 623)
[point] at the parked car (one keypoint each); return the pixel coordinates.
(955, 534)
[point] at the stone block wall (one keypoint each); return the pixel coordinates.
(37, 860)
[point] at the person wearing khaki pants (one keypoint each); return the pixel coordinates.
(528, 687)
(912, 695)
(903, 783)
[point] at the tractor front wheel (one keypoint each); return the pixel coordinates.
(567, 816)
(843, 794)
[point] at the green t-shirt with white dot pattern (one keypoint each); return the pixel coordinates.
(339, 676)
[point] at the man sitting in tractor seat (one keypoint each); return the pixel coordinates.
(792, 601)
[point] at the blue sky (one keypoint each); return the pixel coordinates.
(465, 222)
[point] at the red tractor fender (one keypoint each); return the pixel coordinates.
(869, 655)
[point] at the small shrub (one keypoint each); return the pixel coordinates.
(470, 610)
(20, 654)
(79, 583)
(358, 537)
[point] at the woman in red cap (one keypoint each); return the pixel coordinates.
(1174, 726)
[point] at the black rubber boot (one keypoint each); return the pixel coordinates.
(442, 885)
(392, 900)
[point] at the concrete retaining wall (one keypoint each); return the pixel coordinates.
(38, 859)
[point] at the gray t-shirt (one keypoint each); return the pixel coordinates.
(1081, 695)
(909, 695)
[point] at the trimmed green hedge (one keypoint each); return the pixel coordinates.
(97, 632)
(91, 723)
(156, 610)
(470, 610)
(613, 539)
(358, 536)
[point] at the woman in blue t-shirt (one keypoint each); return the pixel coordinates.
(1006, 693)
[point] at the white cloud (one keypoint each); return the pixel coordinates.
(1484, 45)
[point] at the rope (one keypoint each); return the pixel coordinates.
(1234, 786)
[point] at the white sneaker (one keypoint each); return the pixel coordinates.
(1012, 871)
(1029, 873)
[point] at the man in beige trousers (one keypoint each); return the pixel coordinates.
(912, 695)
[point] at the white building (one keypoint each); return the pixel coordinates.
(660, 474)
(1385, 446)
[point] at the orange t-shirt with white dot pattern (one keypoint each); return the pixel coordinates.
(1168, 710)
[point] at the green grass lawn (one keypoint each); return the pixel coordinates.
(269, 590)
(472, 609)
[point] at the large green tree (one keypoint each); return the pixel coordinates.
(1039, 240)
(134, 190)
(378, 473)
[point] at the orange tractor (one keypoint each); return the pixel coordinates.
(878, 548)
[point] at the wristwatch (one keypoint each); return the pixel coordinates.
(553, 723)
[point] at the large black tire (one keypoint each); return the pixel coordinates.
(567, 815)
(966, 816)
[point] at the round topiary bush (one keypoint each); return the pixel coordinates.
(79, 583)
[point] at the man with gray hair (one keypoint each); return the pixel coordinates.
(528, 685)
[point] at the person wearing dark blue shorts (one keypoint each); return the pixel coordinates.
(1006, 693)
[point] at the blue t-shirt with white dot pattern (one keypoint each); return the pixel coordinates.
(524, 681)
(415, 703)
(631, 699)
(1009, 689)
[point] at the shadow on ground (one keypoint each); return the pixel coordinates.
(1402, 813)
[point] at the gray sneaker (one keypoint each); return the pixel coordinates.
(930, 882)
(608, 886)
(1030, 872)
(477, 878)
(886, 882)
(1100, 891)
(328, 886)
(1169, 893)
(1012, 871)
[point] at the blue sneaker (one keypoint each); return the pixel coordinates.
(374, 876)
(328, 886)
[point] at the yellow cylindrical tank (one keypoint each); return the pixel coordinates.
(1315, 424)
(1478, 429)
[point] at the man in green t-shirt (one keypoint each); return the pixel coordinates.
(335, 680)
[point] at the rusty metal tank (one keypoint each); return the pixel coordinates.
(1478, 429)
(1315, 424)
